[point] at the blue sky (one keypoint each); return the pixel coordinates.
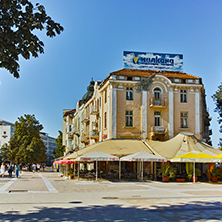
(92, 44)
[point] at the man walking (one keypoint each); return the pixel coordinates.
(10, 170)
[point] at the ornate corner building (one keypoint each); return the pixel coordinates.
(138, 104)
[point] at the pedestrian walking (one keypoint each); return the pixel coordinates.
(2, 169)
(16, 170)
(38, 167)
(20, 167)
(33, 168)
(10, 170)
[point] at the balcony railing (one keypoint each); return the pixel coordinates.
(158, 102)
(84, 139)
(76, 132)
(158, 129)
(94, 110)
(85, 118)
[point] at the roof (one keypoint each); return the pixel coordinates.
(114, 147)
(180, 144)
(72, 111)
(147, 73)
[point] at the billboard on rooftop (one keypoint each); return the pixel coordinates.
(153, 61)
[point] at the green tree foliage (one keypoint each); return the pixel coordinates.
(4, 152)
(19, 20)
(217, 97)
(59, 151)
(26, 146)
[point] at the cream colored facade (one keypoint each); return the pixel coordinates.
(138, 104)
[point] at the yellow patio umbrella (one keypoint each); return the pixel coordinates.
(195, 157)
(219, 157)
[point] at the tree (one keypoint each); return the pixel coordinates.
(59, 151)
(217, 97)
(4, 152)
(19, 19)
(26, 146)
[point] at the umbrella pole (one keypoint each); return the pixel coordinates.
(119, 169)
(194, 172)
(142, 170)
(74, 169)
(78, 171)
(96, 170)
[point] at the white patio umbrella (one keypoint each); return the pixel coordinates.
(143, 157)
(96, 156)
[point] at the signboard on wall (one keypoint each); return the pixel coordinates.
(153, 61)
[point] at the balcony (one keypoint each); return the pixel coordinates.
(94, 134)
(94, 110)
(158, 130)
(85, 119)
(69, 135)
(76, 132)
(84, 139)
(159, 103)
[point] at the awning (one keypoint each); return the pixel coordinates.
(180, 144)
(97, 156)
(143, 157)
(116, 147)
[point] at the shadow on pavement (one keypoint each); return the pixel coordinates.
(193, 211)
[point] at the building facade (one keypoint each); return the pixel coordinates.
(138, 104)
(50, 145)
(6, 132)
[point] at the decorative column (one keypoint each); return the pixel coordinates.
(114, 110)
(197, 112)
(144, 114)
(171, 114)
(109, 107)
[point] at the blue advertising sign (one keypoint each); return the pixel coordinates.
(153, 61)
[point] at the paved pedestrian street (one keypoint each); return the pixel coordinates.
(46, 196)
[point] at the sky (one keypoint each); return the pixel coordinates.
(92, 44)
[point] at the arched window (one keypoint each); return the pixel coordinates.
(157, 96)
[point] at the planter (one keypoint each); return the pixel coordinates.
(180, 180)
(166, 179)
(214, 179)
(195, 179)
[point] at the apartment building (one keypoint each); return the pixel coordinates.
(6, 131)
(138, 104)
(50, 145)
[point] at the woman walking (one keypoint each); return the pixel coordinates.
(2, 169)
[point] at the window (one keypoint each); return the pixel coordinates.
(184, 119)
(157, 118)
(129, 93)
(130, 78)
(157, 96)
(183, 96)
(105, 120)
(129, 118)
(105, 96)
